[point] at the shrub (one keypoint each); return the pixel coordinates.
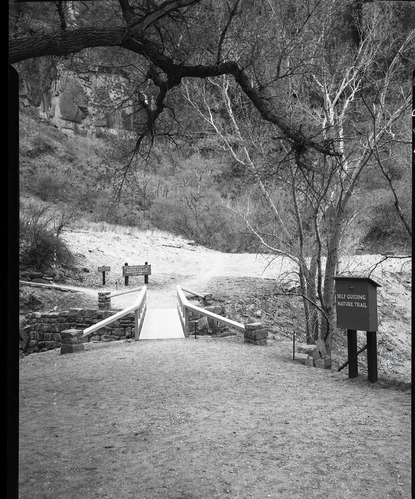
(50, 187)
(383, 224)
(40, 145)
(40, 246)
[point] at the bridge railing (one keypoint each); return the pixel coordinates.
(184, 306)
(119, 293)
(139, 308)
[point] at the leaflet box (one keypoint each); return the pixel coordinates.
(356, 303)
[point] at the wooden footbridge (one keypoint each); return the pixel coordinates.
(156, 323)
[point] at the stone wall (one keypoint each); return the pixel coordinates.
(41, 331)
(203, 325)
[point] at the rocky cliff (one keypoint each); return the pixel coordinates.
(79, 103)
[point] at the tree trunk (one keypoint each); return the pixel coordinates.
(329, 325)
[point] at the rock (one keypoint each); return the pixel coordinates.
(31, 303)
(34, 275)
(323, 363)
(309, 361)
(202, 324)
(302, 358)
(307, 349)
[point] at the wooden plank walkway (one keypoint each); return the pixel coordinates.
(160, 324)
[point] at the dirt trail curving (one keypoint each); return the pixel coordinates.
(175, 260)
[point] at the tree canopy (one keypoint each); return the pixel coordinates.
(177, 38)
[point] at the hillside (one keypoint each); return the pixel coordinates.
(198, 195)
(252, 287)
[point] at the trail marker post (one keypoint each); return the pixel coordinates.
(125, 273)
(356, 309)
(103, 269)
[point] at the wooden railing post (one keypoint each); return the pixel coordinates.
(186, 321)
(137, 314)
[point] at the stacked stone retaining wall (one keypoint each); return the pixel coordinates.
(206, 325)
(41, 331)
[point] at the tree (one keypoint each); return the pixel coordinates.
(167, 39)
(335, 89)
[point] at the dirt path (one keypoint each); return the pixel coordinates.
(194, 275)
(205, 418)
(175, 260)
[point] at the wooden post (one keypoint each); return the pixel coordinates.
(126, 277)
(372, 358)
(352, 352)
(136, 322)
(186, 322)
(294, 345)
(347, 362)
(146, 275)
(104, 269)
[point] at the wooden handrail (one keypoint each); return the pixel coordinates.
(139, 308)
(193, 293)
(184, 306)
(119, 293)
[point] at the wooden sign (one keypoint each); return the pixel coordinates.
(131, 270)
(356, 303)
(104, 269)
(356, 309)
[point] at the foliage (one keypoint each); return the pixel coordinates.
(41, 247)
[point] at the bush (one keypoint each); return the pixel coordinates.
(40, 145)
(40, 247)
(384, 227)
(50, 187)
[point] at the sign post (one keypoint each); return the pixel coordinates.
(372, 356)
(134, 270)
(125, 273)
(352, 352)
(103, 270)
(356, 309)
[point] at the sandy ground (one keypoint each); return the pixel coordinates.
(206, 418)
(175, 260)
